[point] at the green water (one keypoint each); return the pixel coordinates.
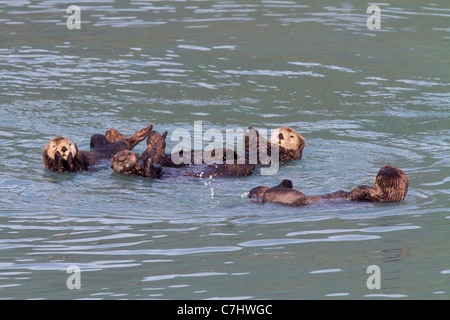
(361, 98)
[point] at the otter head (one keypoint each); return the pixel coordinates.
(157, 141)
(59, 144)
(391, 183)
(125, 161)
(257, 192)
(289, 140)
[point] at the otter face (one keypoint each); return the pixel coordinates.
(62, 145)
(257, 192)
(392, 183)
(156, 140)
(124, 161)
(288, 138)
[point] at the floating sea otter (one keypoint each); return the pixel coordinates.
(154, 156)
(285, 144)
(62, 155)
(391, 185)
(290, 145)
(129, 162)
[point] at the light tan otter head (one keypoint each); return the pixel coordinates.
(59, 144)
(125, 161)
(288, 139)
(391, 183)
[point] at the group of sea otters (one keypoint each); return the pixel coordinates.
(62, 155)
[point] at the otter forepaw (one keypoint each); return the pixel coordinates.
(152, 170)
(57, 164)
(70, 161)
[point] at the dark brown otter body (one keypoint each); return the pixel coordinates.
(284, 193)
(195, 166)
(156, 148)
(62, 155)
(229, 164)
(391, 185)
(288, 142)
(128, 162)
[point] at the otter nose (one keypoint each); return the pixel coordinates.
(64, 149)
(280, 136)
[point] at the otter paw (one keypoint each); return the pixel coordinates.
(57, 164)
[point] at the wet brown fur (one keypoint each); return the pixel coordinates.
(391, 185)
(62, 155)
(284, 193)
(130, 163)
(203, 166)
(127, 162)
(290, 141)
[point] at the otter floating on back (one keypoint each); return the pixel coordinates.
(391, 185)
(62, 155)
(130, 163)
(288, 142)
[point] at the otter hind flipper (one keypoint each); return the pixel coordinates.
(139, 136)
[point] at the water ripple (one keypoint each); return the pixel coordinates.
(274, 242)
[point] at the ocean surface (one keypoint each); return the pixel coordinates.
(361, 97)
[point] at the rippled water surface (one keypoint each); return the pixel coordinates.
(361, 98)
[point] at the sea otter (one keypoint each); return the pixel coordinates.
(156, 148)
(284, 193)
(214, 164)
(128, 162)
(290, 145)
(290, 142)
(223, 162)
(62, 155)
(391, 185)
